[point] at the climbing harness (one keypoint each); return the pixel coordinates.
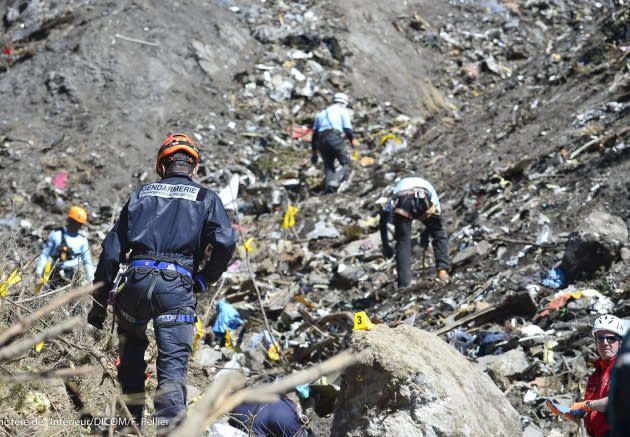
(155, 267)
(160, 265)
(419, 207)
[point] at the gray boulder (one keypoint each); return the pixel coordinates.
(425, 388)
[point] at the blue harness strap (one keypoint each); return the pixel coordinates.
(162, 318)
(160, 265)
(186, 318)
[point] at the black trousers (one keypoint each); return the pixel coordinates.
(332, 148)
(171, 295)
(402, 235)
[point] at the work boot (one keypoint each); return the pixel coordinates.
(443, 276)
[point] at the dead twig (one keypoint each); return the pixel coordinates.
(603, 141)
(24, 323)
(463, 320)
(19, 347)
(214, 297)
(123, 404)
(312, 322)
(113, 411)
(516, 241)
(303, 354)
(315, 323)
(64, 373)
(255, 283)
(41, 295)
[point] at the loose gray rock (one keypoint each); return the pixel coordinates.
(426, 389)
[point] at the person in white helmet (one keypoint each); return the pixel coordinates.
(328, 130)
(608, 331)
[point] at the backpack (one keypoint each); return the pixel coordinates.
(65, 252)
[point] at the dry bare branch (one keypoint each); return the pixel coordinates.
(64, 373)
(24, 323)
(121, 401)
(212, 400)
(11, 351)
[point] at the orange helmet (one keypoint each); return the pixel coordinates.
(78, 214)
(175, 143)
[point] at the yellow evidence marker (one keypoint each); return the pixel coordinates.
(362, 321)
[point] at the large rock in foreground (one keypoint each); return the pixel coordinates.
(414, 384)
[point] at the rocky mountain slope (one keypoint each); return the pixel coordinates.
(515, 110)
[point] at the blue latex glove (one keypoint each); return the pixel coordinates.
(314, 157)
(228, 318)
(200, 282)
(561, 410)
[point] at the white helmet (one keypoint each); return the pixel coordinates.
(609, 323)
(341, 98)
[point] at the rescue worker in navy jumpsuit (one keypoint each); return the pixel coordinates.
(166, 226)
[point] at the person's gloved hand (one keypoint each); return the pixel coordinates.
(314, 157)
(563, 411)
(200, 283)
(96, 316)
(580, 408)
(388, 252)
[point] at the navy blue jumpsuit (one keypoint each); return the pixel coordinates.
(163, 232)
(275, 419)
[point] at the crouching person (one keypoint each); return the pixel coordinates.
(274, 419)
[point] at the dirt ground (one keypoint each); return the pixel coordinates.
(497, 102)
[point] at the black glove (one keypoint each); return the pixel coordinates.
(96, 316)
(314, 157)
(388, 252)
